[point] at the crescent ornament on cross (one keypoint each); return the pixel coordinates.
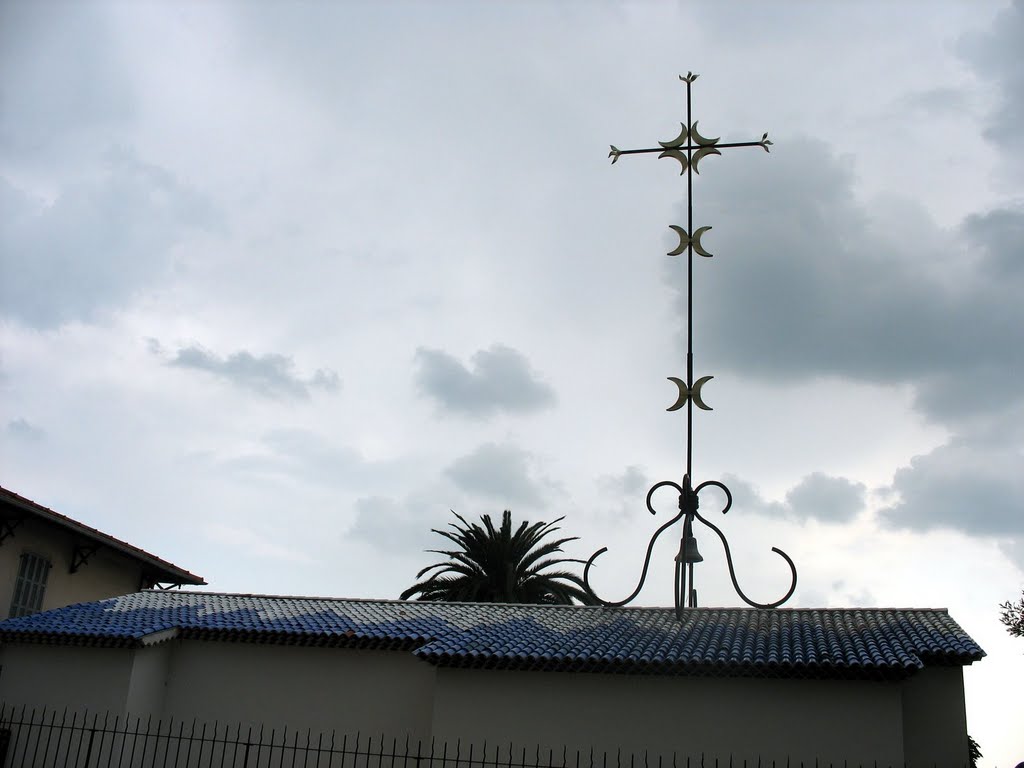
(700, 154)
(675, 154)
(685, 393)
(685, 240)
(696, 138)
(679, 140)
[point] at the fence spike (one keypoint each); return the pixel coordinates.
(74, 722)
(21, 721)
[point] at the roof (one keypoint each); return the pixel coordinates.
(15, 508)
(854, 642)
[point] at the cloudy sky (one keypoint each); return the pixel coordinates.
(281, 284)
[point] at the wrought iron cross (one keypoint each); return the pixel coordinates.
(689, 148)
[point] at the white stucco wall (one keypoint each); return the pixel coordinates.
(935, 718)
(771, 719)
(320, 688)
(300, 687)
(147, 686)
(40, 676)
(920, 720)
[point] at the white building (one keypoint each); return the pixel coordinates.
(48, 560)
(856, 685)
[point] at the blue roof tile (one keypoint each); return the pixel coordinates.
(807, 642)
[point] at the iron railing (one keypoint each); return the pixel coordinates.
(50, 738)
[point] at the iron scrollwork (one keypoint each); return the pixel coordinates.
(689, 502)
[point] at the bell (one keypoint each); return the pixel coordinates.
(688, 552)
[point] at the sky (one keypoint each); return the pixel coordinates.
(283, 284)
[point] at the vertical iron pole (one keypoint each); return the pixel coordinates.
(689, 287)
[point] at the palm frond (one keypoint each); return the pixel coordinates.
(494, 563)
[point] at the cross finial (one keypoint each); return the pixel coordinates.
(688, 148)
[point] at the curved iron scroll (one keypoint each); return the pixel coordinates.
(688, 505)
(650, 548)
(728, 553)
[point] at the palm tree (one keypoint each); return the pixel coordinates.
(495, 565)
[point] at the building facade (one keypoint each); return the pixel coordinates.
(857, 685)
(48, 560)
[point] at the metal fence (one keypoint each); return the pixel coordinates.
(55, 739)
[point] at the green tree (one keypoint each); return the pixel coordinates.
(973, 751)
(1013, 616)
(497, 565)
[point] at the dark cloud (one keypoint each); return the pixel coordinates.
(500, 472)
(747, 497)
(817, 496)
(631, 483)
(804, 285)
(390, 526)
(500, 380)
(22, 429)
(999, 236)
(975, 486)
(96, 244)
(822, 497)
(996, 57)
(64, 83)
(270, 375)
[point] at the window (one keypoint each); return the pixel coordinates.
(30, 585)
